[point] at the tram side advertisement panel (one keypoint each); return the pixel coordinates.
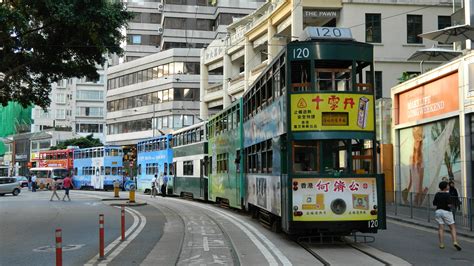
(334, 199)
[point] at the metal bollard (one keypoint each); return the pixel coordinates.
(123, 222)
(116, 188)
(59, 247)
(101, 236)
(131, 197)
(428, 208)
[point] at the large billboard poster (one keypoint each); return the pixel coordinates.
(332, 111)
(334, 199)
(428, 154)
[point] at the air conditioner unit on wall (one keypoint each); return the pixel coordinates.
(160, 30)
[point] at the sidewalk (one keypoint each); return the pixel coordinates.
(432, 225)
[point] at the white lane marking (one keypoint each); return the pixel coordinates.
(266, 253)
(205, 244)
(117, 241)
(127, 241)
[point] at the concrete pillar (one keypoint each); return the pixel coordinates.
(272, 42)
(249, 61)
(227, 75)
(203, 85)
(296, 20)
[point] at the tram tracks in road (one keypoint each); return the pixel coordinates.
(201, 231)
(343, 251)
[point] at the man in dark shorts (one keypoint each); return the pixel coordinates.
(443, 214)
(67, 184)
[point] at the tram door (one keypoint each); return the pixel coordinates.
(203, 179)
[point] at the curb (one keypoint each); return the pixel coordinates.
(430, 226)
(129, 204)
(112, 199)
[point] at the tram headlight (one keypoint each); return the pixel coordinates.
(295, 208)
(338, 206)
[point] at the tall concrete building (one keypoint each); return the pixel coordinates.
(77, 105)
(158, 93)
(253, 42)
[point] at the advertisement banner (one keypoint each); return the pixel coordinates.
(429, 153)
(436, 98)
(332, 111)
(334, 199)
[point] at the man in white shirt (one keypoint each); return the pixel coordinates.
(153, 186)
(33, 183)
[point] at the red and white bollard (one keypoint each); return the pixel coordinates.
(123, 222)
(59, 247)
(101, 236)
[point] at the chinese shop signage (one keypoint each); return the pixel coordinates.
(335, 199)
(332, 111)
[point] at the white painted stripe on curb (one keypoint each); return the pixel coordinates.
(127, 241)
(117, 241)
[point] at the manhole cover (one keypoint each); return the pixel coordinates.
(53, 249)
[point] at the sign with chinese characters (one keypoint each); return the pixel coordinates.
(332, 111)
(334, 199)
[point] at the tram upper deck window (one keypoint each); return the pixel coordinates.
(300, 76)
(333, 79)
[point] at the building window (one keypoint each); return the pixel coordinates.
(373, 28)
(61, 98)
(414, 28)
(377, 84)
(444, 22)
(60, 114)
(90, 95)
(134, 39)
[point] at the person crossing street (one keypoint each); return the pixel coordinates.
(67, 184)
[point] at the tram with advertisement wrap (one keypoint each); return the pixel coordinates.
(155, 157)
(298, 150)
(56, 158)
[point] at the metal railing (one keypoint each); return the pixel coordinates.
(420, 207)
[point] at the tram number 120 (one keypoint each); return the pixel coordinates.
(373, 223)
(300, 53)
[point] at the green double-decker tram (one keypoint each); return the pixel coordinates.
(299, 149)
(225, 138)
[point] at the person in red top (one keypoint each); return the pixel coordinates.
(67, 184)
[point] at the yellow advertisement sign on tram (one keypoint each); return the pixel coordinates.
(332, 111)
(334, 199)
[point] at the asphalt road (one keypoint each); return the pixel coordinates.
(28, 223)
(419, 245)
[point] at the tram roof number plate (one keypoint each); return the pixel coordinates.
(315, 33)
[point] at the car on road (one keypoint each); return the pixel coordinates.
(23, 180)
(9, 185)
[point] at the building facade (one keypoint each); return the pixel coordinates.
(159, 93)
(433, 129)
(256, 39)
(77, 105)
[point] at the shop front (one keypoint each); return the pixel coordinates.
(429, 135)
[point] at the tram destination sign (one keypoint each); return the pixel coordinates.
(332, 111)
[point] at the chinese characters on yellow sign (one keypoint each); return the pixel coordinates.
(335, 199)
(332, 111)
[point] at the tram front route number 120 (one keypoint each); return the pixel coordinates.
(373, 224)
(299, 53)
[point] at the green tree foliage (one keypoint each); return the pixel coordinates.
(84, 142)
(42, 42)
(406, 76)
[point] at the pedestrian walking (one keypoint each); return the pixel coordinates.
(153, 186)
(163, 189)
(68, 185)
(29, 182)
(453, 192)
(443, 214)
(33, 183)
(54, 188)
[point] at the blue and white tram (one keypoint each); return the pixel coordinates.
(97, 167)
(155, 157)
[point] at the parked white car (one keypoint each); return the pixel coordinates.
(9, 185)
